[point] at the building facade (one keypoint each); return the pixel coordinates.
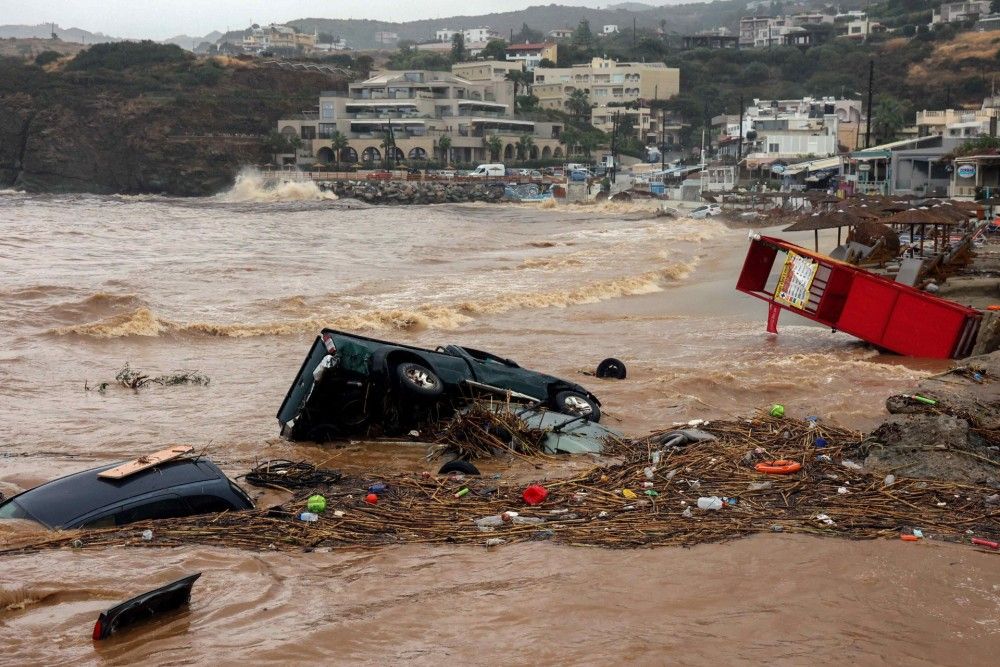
(605, 81)
(652, 127)
(420, 108)
(532, 54)
(486, 70)
(953, 12)
(277, 38)
(792, 129)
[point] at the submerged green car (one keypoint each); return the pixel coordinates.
(352, 385)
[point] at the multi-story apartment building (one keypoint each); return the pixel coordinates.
(420, 107)
(645, 123)
(276, 37)
(532, 54)
(764, 31)
(956, 122)
(951, 12)
(486, 70)
(481, 34)
(605, 81)
(780, 129)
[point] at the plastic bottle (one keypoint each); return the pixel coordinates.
(309, 516)
(648, 471)
(687, 513)
(890, 480)
(489, 522)
(711, 503)
(147, 535)
(657, 456)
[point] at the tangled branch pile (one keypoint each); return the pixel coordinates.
(131, 378)
(830, 495)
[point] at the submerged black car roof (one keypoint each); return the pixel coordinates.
(59, 501)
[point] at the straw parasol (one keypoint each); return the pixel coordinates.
(835, 219)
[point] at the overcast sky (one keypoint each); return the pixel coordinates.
(159, 19)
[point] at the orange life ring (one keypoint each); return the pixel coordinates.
(780, 467)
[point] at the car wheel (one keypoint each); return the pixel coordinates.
(458, 465)
(611, 368)
(419, 380)
(577, 405)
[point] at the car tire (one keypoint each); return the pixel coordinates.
(611, 368)
(419, 380)
(458, 465)
(576, 404)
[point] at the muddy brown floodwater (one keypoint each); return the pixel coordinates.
(236, 287)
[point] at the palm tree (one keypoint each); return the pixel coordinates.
(339, 143)
(495, 145)
(444, 145)
(524, 146)
(520, 80)
(570, 138)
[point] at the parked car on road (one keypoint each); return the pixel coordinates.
(181, 487)
(351, 385)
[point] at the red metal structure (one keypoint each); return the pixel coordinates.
(846, 298)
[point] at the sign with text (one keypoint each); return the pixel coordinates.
(795, 281)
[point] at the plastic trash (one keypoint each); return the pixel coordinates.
(309, 517)
(602, 515)
(648, 472)
(824, 519)
(687, 513)
(629, 493)
(495, 541)
(992, 500)
(339, 514)
(917, 532)
(316, 503)
(458, 494)
(777, 528)
(842, 490)
(543, 534)
(508, 517)
(730, 501)
(651, 493)
(908, 538)
(325, 363)
(851, 465)
(488, 523)
(920, 399)
(823, 458)
(989, 544)
(711, 503)
(535, 494)
(759, 486)
(777, 410)
(647, 485)
(820, 443)
(656, 457)
(377, 488)
(889, 480)
(371, 499)
(527, 520)
(147, 535)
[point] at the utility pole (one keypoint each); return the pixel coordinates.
(868, 123)
(633, 36)
(663, 140)
(739, 149)
(614, 150)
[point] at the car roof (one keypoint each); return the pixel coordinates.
(61, 500)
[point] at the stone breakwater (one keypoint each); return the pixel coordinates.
(395, 192)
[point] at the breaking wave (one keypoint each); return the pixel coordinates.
(144, 322)
(252, 186)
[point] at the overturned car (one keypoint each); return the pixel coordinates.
(352, 385)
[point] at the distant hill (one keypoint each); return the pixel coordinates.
(190, 43)
(45, 30)
(632, 6)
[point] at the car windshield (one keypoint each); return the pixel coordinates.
(12, 510)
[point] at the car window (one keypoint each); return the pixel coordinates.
(207, 504)
(12, 510)
(160, 508)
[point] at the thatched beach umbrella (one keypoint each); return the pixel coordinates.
(824, 220)
(917, 216)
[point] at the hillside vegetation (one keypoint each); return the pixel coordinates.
(141, 117)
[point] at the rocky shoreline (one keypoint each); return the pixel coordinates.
(395, 192)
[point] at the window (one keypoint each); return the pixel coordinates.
(207, 504)
(326, 130)
(162, 508)
(326, 111)
(308, 131)
(773, 148)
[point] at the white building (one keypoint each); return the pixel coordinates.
(951, 12)
(609, 30)
(477, 35)
(794, 129)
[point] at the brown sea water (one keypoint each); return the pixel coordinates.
(236, 287)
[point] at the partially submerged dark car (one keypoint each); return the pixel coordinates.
(352, 385)
(181, 487)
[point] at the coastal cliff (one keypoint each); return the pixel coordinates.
(142, 120)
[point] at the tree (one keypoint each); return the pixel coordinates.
(444, 145)
(325, 38)
(545, 62)
(888, 118)
(588, 142)
(277, 143)
(582, 36)
(495, 145)
(495, 49)
(578, 103)
(995, 7)
(527, 35)
(524, 146)
(339, 143)
(457, 47)
(520, 80)
(527, 103)
(755, 73)
(570, 138)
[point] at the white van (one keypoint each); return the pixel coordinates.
(485, 170)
